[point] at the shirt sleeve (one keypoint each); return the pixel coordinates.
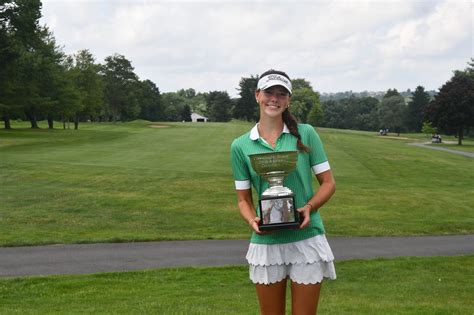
(240, 169)
(318, 159)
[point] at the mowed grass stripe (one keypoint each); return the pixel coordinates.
(132, 182)
(173, 148)
(391, 184)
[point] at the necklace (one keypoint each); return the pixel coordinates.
(271, 138)
(272, 143)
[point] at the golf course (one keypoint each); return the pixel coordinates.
(153, 181)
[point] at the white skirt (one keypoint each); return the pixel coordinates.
(305, 262)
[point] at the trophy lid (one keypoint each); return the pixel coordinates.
(274, 162)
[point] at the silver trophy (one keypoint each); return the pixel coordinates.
(277, 203)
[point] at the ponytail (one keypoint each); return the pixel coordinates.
(292, 125)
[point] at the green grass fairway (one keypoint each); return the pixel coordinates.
(136, 182)
(438, 285)
(386, 187)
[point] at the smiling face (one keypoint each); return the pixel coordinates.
(273, 101)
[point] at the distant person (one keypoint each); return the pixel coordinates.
(436, 138)
(302, 255)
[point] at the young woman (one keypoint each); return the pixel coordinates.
(302, 255)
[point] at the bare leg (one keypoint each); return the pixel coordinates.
(304, 298)
(272, 298)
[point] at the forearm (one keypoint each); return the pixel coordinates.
(322, 196)
(247, 210)
(245, 204)
(326, 189)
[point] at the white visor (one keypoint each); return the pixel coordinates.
(273, 79)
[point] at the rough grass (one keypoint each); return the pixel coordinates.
(437, 285)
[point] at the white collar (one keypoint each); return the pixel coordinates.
(254, 134)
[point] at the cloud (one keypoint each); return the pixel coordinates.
(210, 45)
(437, 33)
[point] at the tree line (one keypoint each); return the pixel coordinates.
(450, 110)
(376, 94)
(38, 81)
(393, 112)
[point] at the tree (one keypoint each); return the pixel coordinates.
(302, 100)
(120, 85)
(194, 103)
(453, 107)
(360, 113)
(391, 113)
(470, 69)
(333, 114)
(8, 57)
(44, 83)
(365, 114)
(246, 106)
(199, 103)
(151, 107)
(186, 113)
(391, 93)
(85, 74)
(65, 94)
(315, 115)
(23, 47)
(70, 101)
(416, 108)
(188, 93)
(300, 84)
(173, 105)
(219, 106)
(34, 79)
(428, 129)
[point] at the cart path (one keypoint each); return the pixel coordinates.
(111, 257)
(432, 147)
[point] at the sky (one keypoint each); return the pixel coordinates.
(337, 46)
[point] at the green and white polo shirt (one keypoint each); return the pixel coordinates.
(299, 181)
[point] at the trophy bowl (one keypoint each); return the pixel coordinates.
(277, 203)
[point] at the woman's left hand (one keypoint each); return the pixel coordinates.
(305, 211)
